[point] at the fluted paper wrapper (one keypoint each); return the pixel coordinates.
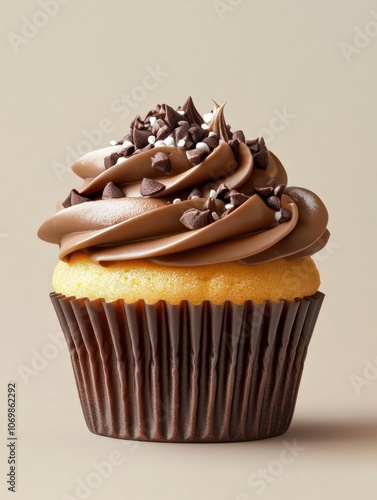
(187, 373)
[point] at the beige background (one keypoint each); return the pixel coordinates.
(312, 62)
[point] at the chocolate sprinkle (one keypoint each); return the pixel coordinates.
(150, 186)
(161, 162)
(111, 191)
(196, 156)
(196, 219)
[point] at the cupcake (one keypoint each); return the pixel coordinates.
(185, 286)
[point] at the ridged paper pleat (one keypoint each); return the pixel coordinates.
(187, 373)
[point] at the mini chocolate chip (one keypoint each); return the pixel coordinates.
(210, 205)
(223, 192)
(264, 192)
(271, 182)
(285, 215)
(273, 202)
(74, 198)
(137, 122)
(211, 141)
(196, 219)
(157, 125)
(182, 132)
(236, 198)
(111, 191)
(252, 145)
(238, 134)
(234, 144)
(196, 156)
(127, 151)
(161, 162)
(150, 186)
(172, 117)
(111, 160)
(140, 138)
(196, 133)
(261, 159)
(163, 132)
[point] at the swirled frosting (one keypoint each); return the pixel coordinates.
(182, 189)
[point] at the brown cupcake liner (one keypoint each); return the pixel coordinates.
(187, 373)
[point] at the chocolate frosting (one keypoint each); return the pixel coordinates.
(184, 192)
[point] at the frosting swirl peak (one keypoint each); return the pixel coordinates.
(182, 189)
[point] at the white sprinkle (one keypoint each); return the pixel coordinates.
(207, 117)
(159, 144)
(127, 144)
(182, 122)
(181, 112)
(205, 126)
(228, 206)
(278, 216)
(212, 134)
(151, 139)
(113, 143)
(169, 141)
(181, 143)
(120, 159)
(215, 216)
(203, 146)
(177, 200)
(152, 119)
(194, 197)
(212, 193)
(221, 140)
